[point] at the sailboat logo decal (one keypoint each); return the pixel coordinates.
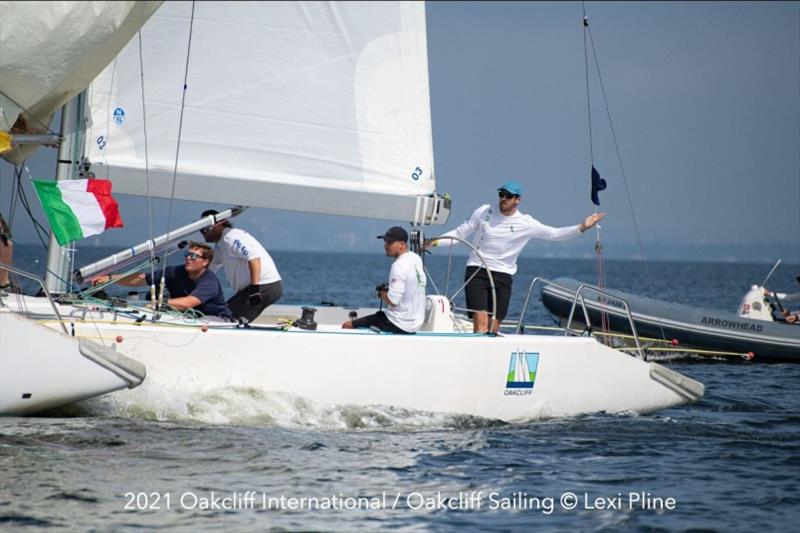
(522, 370)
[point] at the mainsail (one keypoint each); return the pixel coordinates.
(311, 106)
(50, 51)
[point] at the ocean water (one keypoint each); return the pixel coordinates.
(243, 460)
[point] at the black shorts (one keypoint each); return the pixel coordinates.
(479, 291)
(380, 321)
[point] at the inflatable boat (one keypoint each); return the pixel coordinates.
(682, 325)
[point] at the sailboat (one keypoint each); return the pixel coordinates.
(56, 369)
(314, 107)
(45, 367)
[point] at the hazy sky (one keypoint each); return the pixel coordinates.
(705, 101)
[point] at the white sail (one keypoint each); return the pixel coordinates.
(310, 106)
(50, 51)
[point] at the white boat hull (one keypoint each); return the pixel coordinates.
(435, 372)
(438, 373)
(41, 368)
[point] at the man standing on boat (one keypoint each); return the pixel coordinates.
(404, 295)
(190, 285)
(249, 268)
(500, 236)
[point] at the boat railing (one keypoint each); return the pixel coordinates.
(41, 283)
(579, 297)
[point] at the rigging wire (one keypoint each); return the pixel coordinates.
(20, 195)
(147, 172)
(598, 247)
(41, 231)
(29, 114)
(177, 148)
(587, 30)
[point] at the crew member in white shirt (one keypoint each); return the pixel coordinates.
(249, 268)
(500, 236)
(404, 295)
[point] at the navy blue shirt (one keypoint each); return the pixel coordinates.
(206, 288)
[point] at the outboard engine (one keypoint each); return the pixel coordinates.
(755, 306)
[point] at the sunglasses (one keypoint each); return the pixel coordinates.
(506, 194)
(193, 256)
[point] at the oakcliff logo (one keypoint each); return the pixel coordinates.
(521, 373)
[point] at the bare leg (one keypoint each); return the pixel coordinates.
(480, 322)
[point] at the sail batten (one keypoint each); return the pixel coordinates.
(320, 107)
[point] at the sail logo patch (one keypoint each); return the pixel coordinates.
(521, 374)
(119, 116)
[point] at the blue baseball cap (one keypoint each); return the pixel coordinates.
(511, 186)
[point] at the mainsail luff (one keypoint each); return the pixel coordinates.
(316, 107)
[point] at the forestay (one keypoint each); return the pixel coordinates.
(311, 106)
(51, 51)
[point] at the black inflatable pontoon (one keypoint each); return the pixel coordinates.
(692, 327)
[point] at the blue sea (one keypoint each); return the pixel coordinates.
(238, 461)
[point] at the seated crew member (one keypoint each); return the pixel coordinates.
(792, 317)
(191, 285)
(404, 295)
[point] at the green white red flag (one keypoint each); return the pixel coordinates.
(77, 209)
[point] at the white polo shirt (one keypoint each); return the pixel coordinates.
(500, 238)
(407, 283)
(233, 252)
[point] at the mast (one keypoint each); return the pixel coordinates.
(58, 271)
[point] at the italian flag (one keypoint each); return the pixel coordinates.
(77, 209)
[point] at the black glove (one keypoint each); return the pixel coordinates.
(254, 293)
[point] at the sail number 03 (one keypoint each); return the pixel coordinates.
(417, 174)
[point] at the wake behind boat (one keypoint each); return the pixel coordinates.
(691, 327)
